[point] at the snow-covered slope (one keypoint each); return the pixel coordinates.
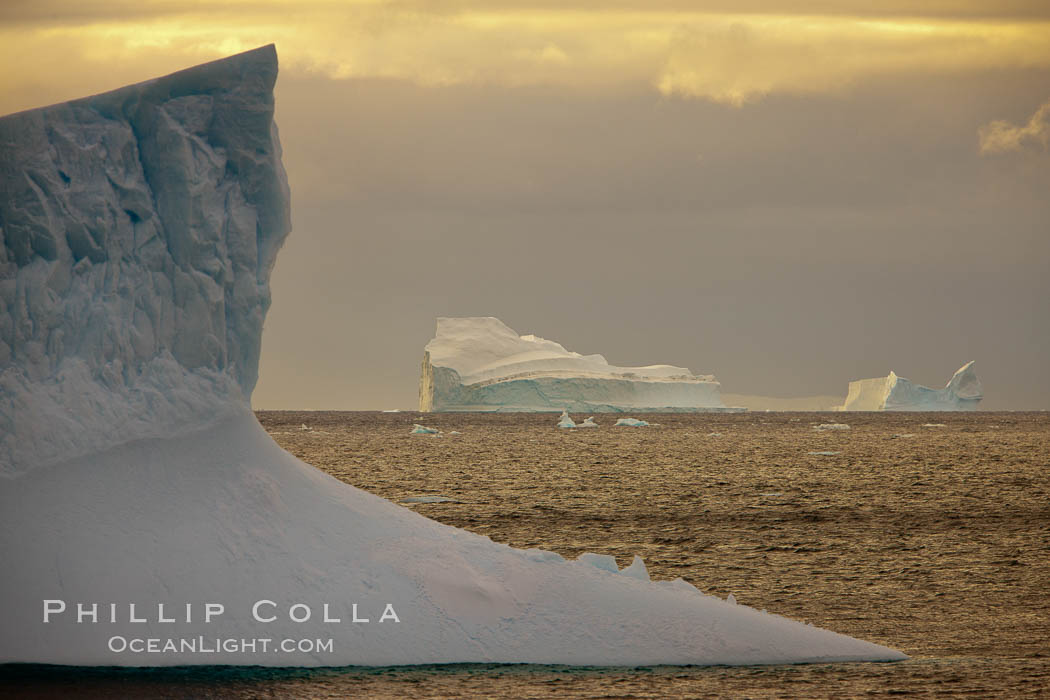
(162, 525)
(892, 393)
(480, 364)
(225, 516)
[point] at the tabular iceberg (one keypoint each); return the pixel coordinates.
(481, 364)
(892, 393)
(146, 519)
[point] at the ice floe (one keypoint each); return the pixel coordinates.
(632, 422)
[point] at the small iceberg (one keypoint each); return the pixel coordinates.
(418, 429)
(934, 425)
(831, 426)
(429, 499)
(826, 453)
(588, 423)
(565, 422)
(632, 422)
(714, 435)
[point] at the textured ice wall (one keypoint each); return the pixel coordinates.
(577, 394)
(138, 229)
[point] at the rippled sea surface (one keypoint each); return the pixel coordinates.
(925, 532)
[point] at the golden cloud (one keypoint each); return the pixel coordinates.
(719, 55)
(1002, 136)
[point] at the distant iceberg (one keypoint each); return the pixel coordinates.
(480, 364)
(564, 421)
(892, 393)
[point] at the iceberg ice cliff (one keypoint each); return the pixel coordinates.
(892, 393)
(480, 364)
(138, 232)
(146, 519)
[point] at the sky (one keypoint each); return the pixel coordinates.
(788, 195)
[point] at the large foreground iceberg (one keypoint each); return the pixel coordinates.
(481, 364)
(145, 516)
(892, 393)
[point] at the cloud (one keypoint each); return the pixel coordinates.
(720, 53)
(740, 59)
(50, 12)
(1001, 136)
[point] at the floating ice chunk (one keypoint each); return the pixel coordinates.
(934, 425)
(632, 422)
(731, 599)
(606, 562)
(418, 429)
(904, 435)
(831, 426)
(636, 569)
(429, 499)
(455, 432)
(826, 453)
(565, 422)
(304, 426)
(392, 410)
(588, 423)
(714, 435)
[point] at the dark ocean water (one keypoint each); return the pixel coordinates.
(926, 532)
